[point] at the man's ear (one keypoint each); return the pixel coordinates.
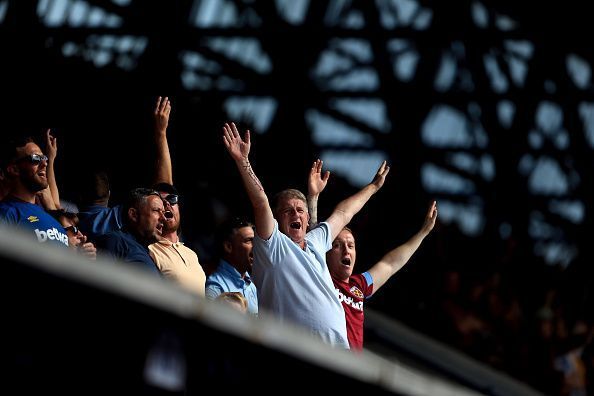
(12, 170)
(133, 214)
(227, 247)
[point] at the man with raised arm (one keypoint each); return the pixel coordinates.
(173, 258)
(290, 268)
(24, 169)
(353, 290)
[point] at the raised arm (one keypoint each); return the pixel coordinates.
(51, 147)
(45, 199)
(346, 209)
(239, 150)
(87, 249)
(315, 185)
(163, 167)
(397, 258)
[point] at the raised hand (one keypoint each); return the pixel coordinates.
(87, 249)
(45, 199)
(316, 182)
(430, 219)
(237, 147)
(380, 176)
(161, 114)
(51, 146)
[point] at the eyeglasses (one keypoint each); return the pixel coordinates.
(74, 229)
(34, 159)
(173, 199)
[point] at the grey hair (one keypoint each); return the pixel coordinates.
(289, 193)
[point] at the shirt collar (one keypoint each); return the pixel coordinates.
(225, 266)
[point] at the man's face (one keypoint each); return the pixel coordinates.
(74, 238)
(341, 257)
(292, 218)
(30, 174)
(171, 223)
(239, 249)
(149, 220)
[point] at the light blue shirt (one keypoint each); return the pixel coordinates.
(227, 279)
(295, 284)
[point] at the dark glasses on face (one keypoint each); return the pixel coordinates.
(74, 229)
(34, 159)
(173, 199)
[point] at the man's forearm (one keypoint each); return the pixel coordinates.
(398, 257)
(353, 204)
(312, 206)
(252, 184)
(163, 167)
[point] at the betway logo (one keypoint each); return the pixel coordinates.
(350, 301)
(52, 234)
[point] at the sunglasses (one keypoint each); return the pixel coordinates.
(34, 159)
(74, 229)
(173, 199)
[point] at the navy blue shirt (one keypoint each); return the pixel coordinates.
(96, 220)
(34, 220)
(125, 247)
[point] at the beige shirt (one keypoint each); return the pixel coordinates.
(179, 264)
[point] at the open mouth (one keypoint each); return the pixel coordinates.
(346, 261)
(295, 225)
(168, 215)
